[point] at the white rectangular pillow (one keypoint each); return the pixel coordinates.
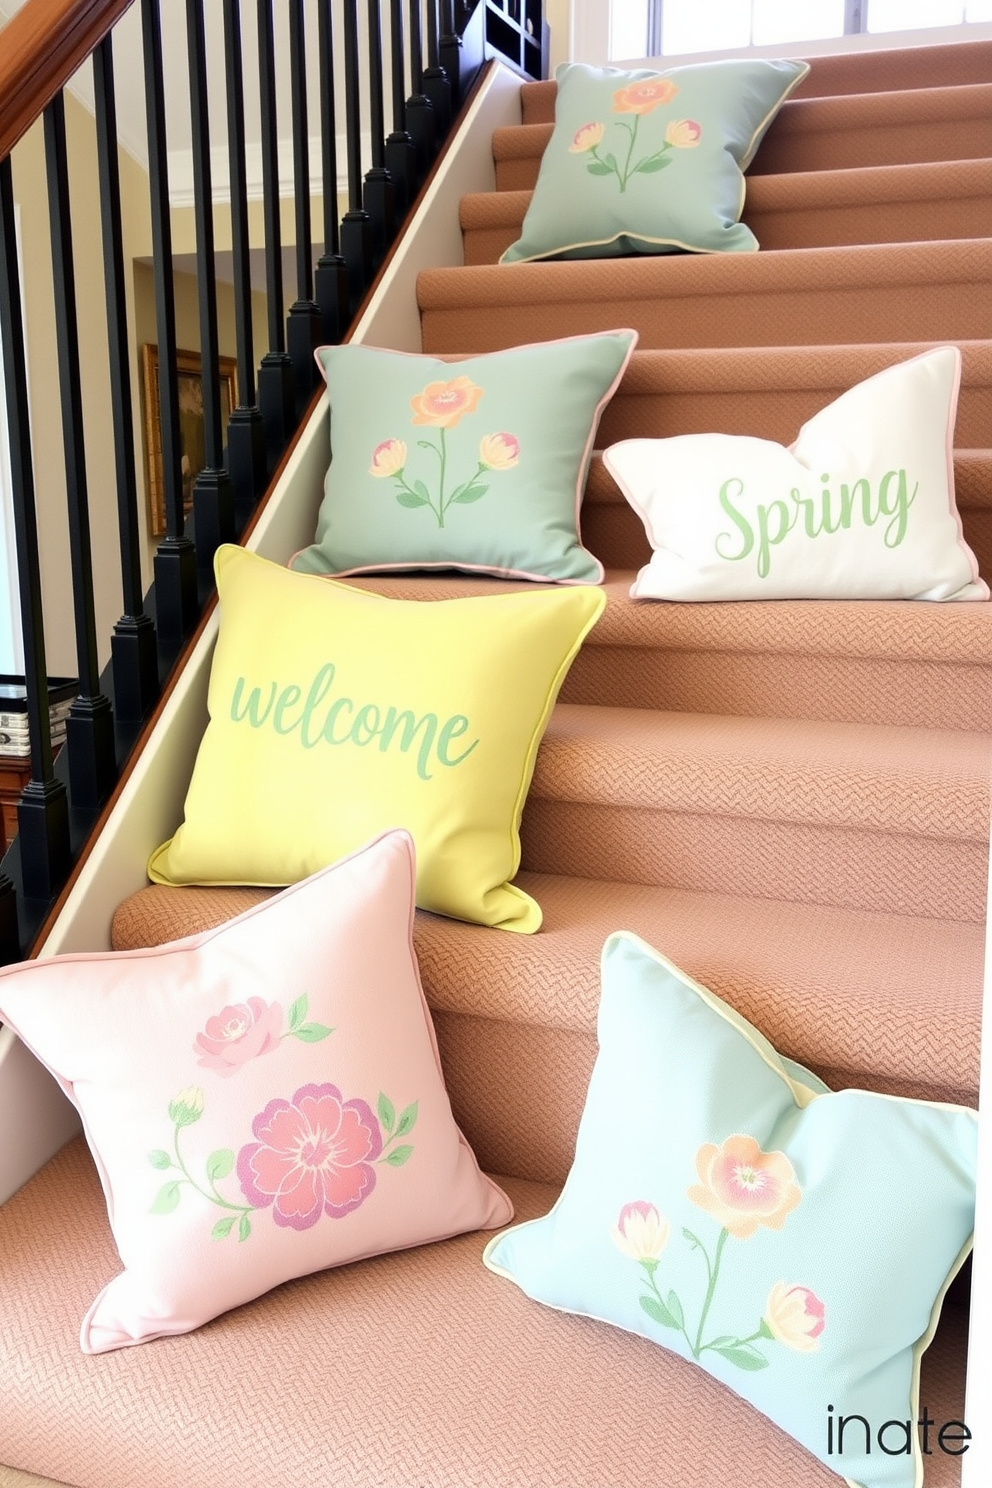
(860, 507)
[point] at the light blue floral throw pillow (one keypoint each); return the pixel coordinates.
(794, 1242)
(477, 464)
(652, 162)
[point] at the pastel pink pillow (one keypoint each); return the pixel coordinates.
(263, 1100)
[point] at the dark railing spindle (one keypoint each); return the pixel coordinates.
(90, 726)
(276, 391)
(304, 328)
(356, 226)
(401, 153)
(175, 560)
(420, 120)
(43, 810)
(133, 644)
(379, 196)
(245, 428)
(436, 83)
(450, 51)
(213, 489)
(331, 276)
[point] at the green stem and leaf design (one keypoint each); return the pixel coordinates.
(669, 1312)
(394, 1129)
(417, 493)
(608, 165)
(299, 1028)
(186, 1110)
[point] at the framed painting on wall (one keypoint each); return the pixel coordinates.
(190, 372)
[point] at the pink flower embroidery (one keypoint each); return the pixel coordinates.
(238, 1033)
(442, 404)
(795, 1316)
(683, 134)
(312, 1156)
(643, 97)
(586, 138)
(743, 1187)
(641, 1232)
(498, 451)
(388, 458)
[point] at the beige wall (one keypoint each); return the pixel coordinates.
(31, 194)
(557, 13)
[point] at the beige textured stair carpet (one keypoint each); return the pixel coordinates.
(790, 800)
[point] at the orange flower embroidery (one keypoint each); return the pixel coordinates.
(442, 404)
(743, 1187)
(643, 97)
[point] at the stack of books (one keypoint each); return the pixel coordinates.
(15, 739)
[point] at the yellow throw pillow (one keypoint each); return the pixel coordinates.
(336, 714)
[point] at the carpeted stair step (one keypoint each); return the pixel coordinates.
(883, 71)
(880, 1001)
(911, 664)
(820, 134)
(906, 292)
(807, 209)
(857, 816)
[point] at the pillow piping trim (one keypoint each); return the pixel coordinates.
(742, 165)
(580, 479)
(759, 1043)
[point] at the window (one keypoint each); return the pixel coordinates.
(652, 28)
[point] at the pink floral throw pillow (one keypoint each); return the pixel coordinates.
(262, 1101)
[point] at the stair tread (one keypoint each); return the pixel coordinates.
(855, 185)
(684, 274)
(805, 116)
(897, 630)
(923, 782)
(934, 66)
(851, 991)
(889, 1001)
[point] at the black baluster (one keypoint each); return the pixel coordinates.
(43, 810)
(378, 196)
(356, 227)
(303, 330)
(245, 428)
(133, 643)
(331, 276)
(401, 153)
(436, 83)
(175, 560)
(10, 948)
(90, 726)
(213, 489)
(419, 111)
(450, 51)
(276, 392)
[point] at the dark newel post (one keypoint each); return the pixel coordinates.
(436, 83)
(43, 810)
(356, 228)
(175, 561)
(245, 429)
(379, 196)
(90, 727)
(213, 490)
(331, 276)
(419, 111)
(401, 153)
(276, 393)
(303, 330)
(450, 51)
(133, 643)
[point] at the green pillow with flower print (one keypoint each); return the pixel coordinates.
(477, 464)
(649, 162)
(794, 1242)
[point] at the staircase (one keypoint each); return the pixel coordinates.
(790, 800)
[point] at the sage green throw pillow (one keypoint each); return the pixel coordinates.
(477, 464)
(652, 162)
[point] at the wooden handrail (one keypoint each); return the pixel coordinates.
(40, 49)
